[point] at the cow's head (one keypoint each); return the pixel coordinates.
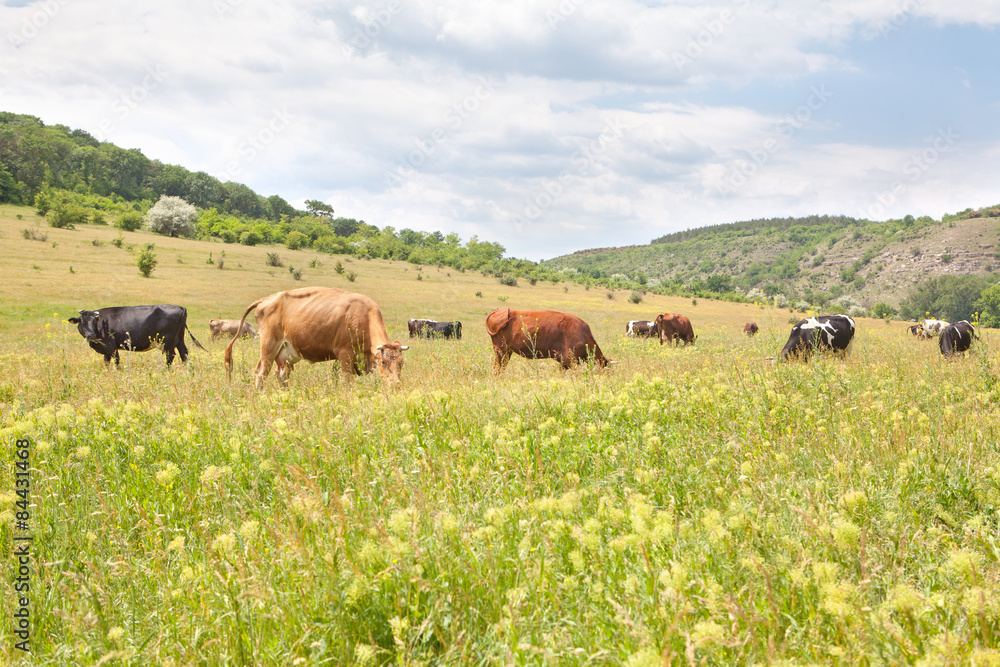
(389, 360)
(89, 324)
(800, 341)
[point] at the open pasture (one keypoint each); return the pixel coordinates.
(691, 505)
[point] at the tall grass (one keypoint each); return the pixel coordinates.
(690, 505)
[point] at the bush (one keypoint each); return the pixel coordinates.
(296, 240)
(251, 237)
(350, 275)
(635, 297)
(171, 216)
(273, 259)
(129, 221)
(509, 281)
(65, 215)
(146, 260)
(882, 310)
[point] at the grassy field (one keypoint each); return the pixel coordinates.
(686, 506)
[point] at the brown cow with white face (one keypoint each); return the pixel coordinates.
(321, 324)
(675, 328)
(230, 327)
(541, 334)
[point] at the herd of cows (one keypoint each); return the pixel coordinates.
(325, 323)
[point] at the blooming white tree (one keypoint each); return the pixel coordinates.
(171, 216)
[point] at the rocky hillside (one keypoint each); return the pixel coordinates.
(813, 258)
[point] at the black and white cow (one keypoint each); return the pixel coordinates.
(956, 337)
(135, 328)
(446, 329)
(642, 328)
(825, 332)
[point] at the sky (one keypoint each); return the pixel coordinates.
(548, 126)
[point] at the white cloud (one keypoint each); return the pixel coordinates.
(467, 116)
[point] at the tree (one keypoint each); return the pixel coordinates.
(319, 209)
(171, 216)
(950, 298)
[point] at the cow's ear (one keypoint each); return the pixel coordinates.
(74, 320)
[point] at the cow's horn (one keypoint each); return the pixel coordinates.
(405, 347)
(378, 347)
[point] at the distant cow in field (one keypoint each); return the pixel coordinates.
(641, 329)
(416, 327)
(432, 329)
(825, 332)
(230, 327)
(915, 330)
(135, 328)
(956, 337)
(674, 328)
(750, 329)
(931, 328)
(320, 324)
(541, 334)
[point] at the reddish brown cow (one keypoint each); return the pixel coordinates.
(320, 324)
(675, 328)
(541, 334)
(751, 329)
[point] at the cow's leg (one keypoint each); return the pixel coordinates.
(169, 351)
(270, 346)
(181, 347)
(502, 357)
(347, 365)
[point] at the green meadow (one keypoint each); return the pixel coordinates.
(687, 506)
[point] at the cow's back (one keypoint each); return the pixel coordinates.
(319, 321)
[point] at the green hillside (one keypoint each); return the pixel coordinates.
(817, 259)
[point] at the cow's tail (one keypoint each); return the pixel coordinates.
(193, 339)
(229, 348)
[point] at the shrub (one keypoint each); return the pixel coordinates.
(350, 275)
(338, 267)
(146, 260)
(34, 235)
(610, 295)
(171, 216)
(65, 215)
(882, 310)
(509, 281)
(129, 221)
(635, 297)
(273, 259)
(250, 237)
(296, 240)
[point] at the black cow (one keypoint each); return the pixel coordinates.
(416, 327)
(956, 337)
(446, 329)
(826, 332)
(136, 328)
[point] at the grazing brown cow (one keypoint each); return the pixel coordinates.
(751, 329)
(230, 327)
(541, 334)
(675, 328)
(320, 324)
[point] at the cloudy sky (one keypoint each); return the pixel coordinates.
(546, 125)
